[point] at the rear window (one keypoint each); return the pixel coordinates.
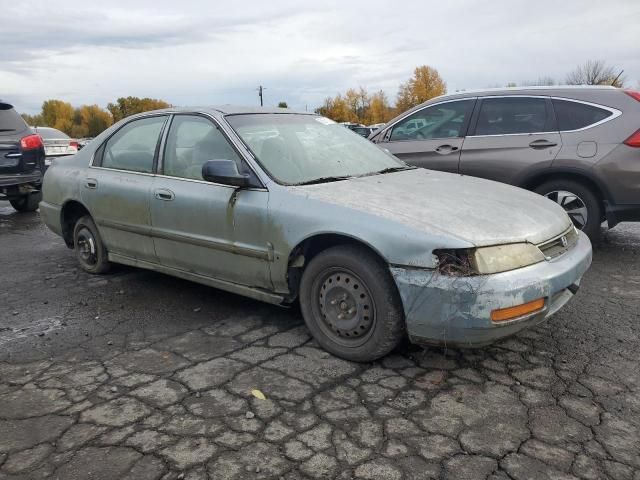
(501, 116)
(574, 115)
(51, 133)
(10, 120)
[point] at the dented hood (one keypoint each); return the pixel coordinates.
(481, 212)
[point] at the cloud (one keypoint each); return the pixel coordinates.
(199, 52)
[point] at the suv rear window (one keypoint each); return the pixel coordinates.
(501, 116)
(10, 121)
(574, 115)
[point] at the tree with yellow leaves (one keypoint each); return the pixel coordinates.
(58, 114)
(425, 84)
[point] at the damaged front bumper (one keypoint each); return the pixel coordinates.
(447, 310)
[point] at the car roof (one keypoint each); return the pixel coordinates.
(533, 90)
(231, 110)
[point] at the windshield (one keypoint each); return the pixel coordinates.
(296, 149)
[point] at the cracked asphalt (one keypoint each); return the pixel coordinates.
(137, 375)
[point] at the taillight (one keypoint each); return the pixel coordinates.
(633, 94)
(73, 144)
(633, 140)
(31, 142)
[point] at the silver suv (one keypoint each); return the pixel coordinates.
(578, 146)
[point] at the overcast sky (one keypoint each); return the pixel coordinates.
(192, 52)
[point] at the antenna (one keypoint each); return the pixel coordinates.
(613, 82)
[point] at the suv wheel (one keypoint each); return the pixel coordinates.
(580, 203)
(27, 203)
(90, 251)
(351, 305)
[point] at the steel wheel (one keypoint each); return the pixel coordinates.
(573, 205)
(347, 308)
(86, 245)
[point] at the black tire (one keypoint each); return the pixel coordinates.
(374, 318)
(584, 194)
(27, 203)
(90, 251)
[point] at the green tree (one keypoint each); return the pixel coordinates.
(283, 105)
(126, 106)
(34, 120)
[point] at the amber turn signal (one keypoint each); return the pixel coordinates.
(503, 314)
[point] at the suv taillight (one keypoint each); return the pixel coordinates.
(633, 94)
(31, 142)
(633, 140)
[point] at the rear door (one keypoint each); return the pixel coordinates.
(431, 137)
(509, 137)
(118, 184)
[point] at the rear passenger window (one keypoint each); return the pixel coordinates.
(501, 116)
(574, 115)
(133, 147)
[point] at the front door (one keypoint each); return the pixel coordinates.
(431, 137)
(117, 185)
(511, 136)
(202, 227)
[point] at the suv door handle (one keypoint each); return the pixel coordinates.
(164, 194)
(444, 149)
(91, 183)
(13, 155)
(539, 144)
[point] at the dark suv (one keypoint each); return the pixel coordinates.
(21, 161)
(578, 146)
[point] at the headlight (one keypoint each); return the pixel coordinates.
(501, 258)
(487, 260)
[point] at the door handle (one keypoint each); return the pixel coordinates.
(539, 144)
(91, 183)
(13, 155)
(444, 149)
(164, 194)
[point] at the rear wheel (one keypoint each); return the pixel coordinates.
(27, 203)
(579, 201)
(90, 251)
(351, 305)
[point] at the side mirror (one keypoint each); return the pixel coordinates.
(225, 172)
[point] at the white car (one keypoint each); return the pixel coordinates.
(56, 143)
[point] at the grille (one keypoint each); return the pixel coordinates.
(560, 244)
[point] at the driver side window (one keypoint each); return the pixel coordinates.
(192, 141)
(445, 120)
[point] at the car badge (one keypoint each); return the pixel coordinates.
(564, 241)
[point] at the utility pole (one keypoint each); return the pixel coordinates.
(260, 89)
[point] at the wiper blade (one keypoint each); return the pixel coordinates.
(395, 169)
(7, 129)
(323, 180)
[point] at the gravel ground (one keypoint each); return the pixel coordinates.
(136, 375)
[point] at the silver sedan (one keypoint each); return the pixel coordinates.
(285, 207)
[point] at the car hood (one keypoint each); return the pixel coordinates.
(478, 211)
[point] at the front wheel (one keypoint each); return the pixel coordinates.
(580, 203)
(90, 251)
(351, 304)
(27, 203)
